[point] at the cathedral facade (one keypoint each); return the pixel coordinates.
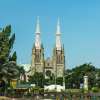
(54, 64)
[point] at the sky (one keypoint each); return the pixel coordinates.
(79, 21)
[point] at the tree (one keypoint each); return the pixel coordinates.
(6, 44)
(21, 70)
(10, 71)
(13, 57)
(75, 77)
(38, 79)
(8, 66)
(59, 80)
(22, 74)
(48, 73)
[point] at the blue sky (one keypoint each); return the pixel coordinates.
(80, 27)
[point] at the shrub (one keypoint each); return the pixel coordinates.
(95, 89)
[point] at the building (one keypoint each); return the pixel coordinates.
(54, 64)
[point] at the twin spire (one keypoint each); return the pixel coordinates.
(38, 40)
(38, 25)
(58, 27)
(58, 36)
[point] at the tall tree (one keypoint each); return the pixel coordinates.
(6, 44)
(8, 67)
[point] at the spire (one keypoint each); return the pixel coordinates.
(37, 38)
(58, 27)
(58, 36)
(38, 26)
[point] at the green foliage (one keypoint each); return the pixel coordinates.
(14, 57)
(38, 79)
(6, 44)
(11, 41)
(50, 80)
(22, 73)
(95, 89)
(9, 71)
(48, 73)
(74, 77)
(59, 80)
(7, 30)
(8, 67)
(21, 70)
(47, 81)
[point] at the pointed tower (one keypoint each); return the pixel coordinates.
(37, 38)
(58, 54)
(58, 36)
(37, 64)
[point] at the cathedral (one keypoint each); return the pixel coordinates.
(54, 64)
